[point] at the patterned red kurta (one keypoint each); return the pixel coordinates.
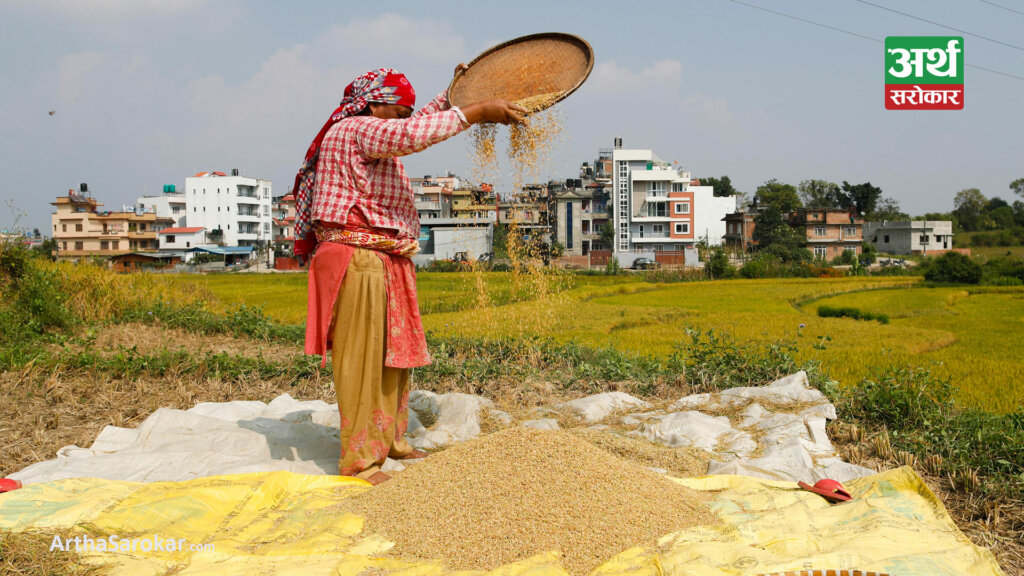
(359, 166)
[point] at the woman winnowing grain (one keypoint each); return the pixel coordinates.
(355, 215)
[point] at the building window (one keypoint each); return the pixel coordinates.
(266, 210)
(682, 227)
(63, 227)
(850, 230)
(657, 210)
(218, 208)
(188, 244)
(885, 239)
(656, 188)
(170, 238)
(850, 249)
(658, 229)
(78, 246)
(176, 210)
(820, 252)
(682, 208)
(568, 226)
(104, 245)
(266, 192)
(677, 186)
(819, 230)
(78, 227)
(266, 227)
(65, 245)
(924, 238)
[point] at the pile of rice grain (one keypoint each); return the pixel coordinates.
(519, 492)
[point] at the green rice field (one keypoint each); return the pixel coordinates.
(972, 335)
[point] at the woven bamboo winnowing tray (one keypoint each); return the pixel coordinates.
(528, 66)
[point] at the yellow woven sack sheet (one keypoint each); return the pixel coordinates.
(291, 524)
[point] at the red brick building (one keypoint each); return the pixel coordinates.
(830, 232)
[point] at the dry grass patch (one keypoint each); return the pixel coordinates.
(29, 554)
(153, 339)
(993, 522)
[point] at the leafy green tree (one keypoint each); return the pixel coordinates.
(970, 207)
(779, 195)
(847, 258)
(1017, 186)
(863, 197)
(994, 203)
(955, 268)
(868, 253)
(46, 247)
(887, 209)
(608, 233)
(820, 194)
(999, 218)
(718, 265)
(1018, 213)
(775, 236)
(499, 244)
(722, 186)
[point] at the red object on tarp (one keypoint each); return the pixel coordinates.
(6, 484)
(830, 489)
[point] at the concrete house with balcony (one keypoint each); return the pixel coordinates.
(170, 204)
(432, 198)
(235, 210)
(658, 207)
(82, 230)
(830, 232)
(910, 236)
(581, 210)
(282, 213)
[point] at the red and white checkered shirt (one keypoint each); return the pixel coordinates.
(359, 165)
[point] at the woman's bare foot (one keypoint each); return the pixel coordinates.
(377, 478)
(414, 455)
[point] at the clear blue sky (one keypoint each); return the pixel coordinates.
(146, 92)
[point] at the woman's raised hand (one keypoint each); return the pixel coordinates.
(497, 110)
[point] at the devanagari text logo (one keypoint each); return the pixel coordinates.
(924, 73)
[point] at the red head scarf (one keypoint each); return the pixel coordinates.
(383, 86)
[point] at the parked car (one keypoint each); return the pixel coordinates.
(645, 263)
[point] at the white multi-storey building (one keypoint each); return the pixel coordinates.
(659, 208)
(235, 210)
(170, 204)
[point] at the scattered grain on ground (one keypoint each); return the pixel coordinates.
(520, 492)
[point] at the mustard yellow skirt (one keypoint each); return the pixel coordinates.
(373, 399)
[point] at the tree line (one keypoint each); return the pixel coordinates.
(972, 211)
